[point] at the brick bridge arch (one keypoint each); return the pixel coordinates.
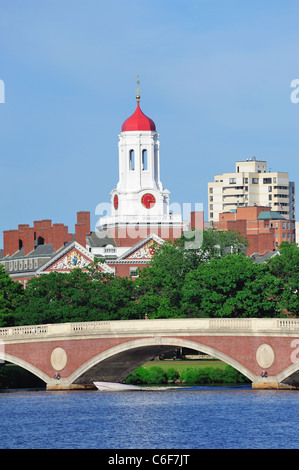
(84, 352)
(25, 365)
(135, 353)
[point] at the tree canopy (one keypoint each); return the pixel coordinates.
(11, 297)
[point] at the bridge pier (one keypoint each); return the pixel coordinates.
(64, 384)
(52, 388)
(271, 383)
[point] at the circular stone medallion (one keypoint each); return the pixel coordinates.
(58, 358)
(265, 356)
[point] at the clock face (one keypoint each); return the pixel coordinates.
(115, 202)
(148, 200)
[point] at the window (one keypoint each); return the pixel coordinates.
(232, 181)
(267, 180)
(270, 189)
(255, 181)
(288, 225)
(133, 271)
(35, 263)
(144, 159)
(283, 225)
(270, 197)
(132, 160)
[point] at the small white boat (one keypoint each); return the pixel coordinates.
(115, 387)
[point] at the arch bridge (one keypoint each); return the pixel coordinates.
(73, 355)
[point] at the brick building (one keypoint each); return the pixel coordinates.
(264, 229)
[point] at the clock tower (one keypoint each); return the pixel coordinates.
(139, 204)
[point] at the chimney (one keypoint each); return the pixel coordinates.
(82, 227)
(7, 243)
(197, 220)
(58, 236)
(13, 244)
(28, 240)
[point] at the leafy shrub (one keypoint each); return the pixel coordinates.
(233, 376)
(201, 376)
(157, 376)
(153, 376)
(172, 374)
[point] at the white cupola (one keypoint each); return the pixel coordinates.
(139, 197)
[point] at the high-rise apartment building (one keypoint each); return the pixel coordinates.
(251, 184)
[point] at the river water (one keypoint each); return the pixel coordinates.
(159, 418)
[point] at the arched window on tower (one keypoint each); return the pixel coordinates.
(144, 159)
(132, 160)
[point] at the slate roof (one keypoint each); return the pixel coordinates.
(104, 239)
(262, 258)
(270, 215)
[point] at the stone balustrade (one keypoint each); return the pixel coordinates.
(250, 326)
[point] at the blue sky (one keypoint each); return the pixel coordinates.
(215, 77)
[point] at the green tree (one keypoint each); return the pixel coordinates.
(285, 266)
(11, 297)
(233, 286)
(160, 284)
(77, 296)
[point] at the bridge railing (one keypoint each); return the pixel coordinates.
(249, 326)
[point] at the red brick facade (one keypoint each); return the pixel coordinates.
(264, 232)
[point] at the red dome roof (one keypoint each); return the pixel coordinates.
(138, 122)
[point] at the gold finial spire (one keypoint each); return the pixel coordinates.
(138, 83)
